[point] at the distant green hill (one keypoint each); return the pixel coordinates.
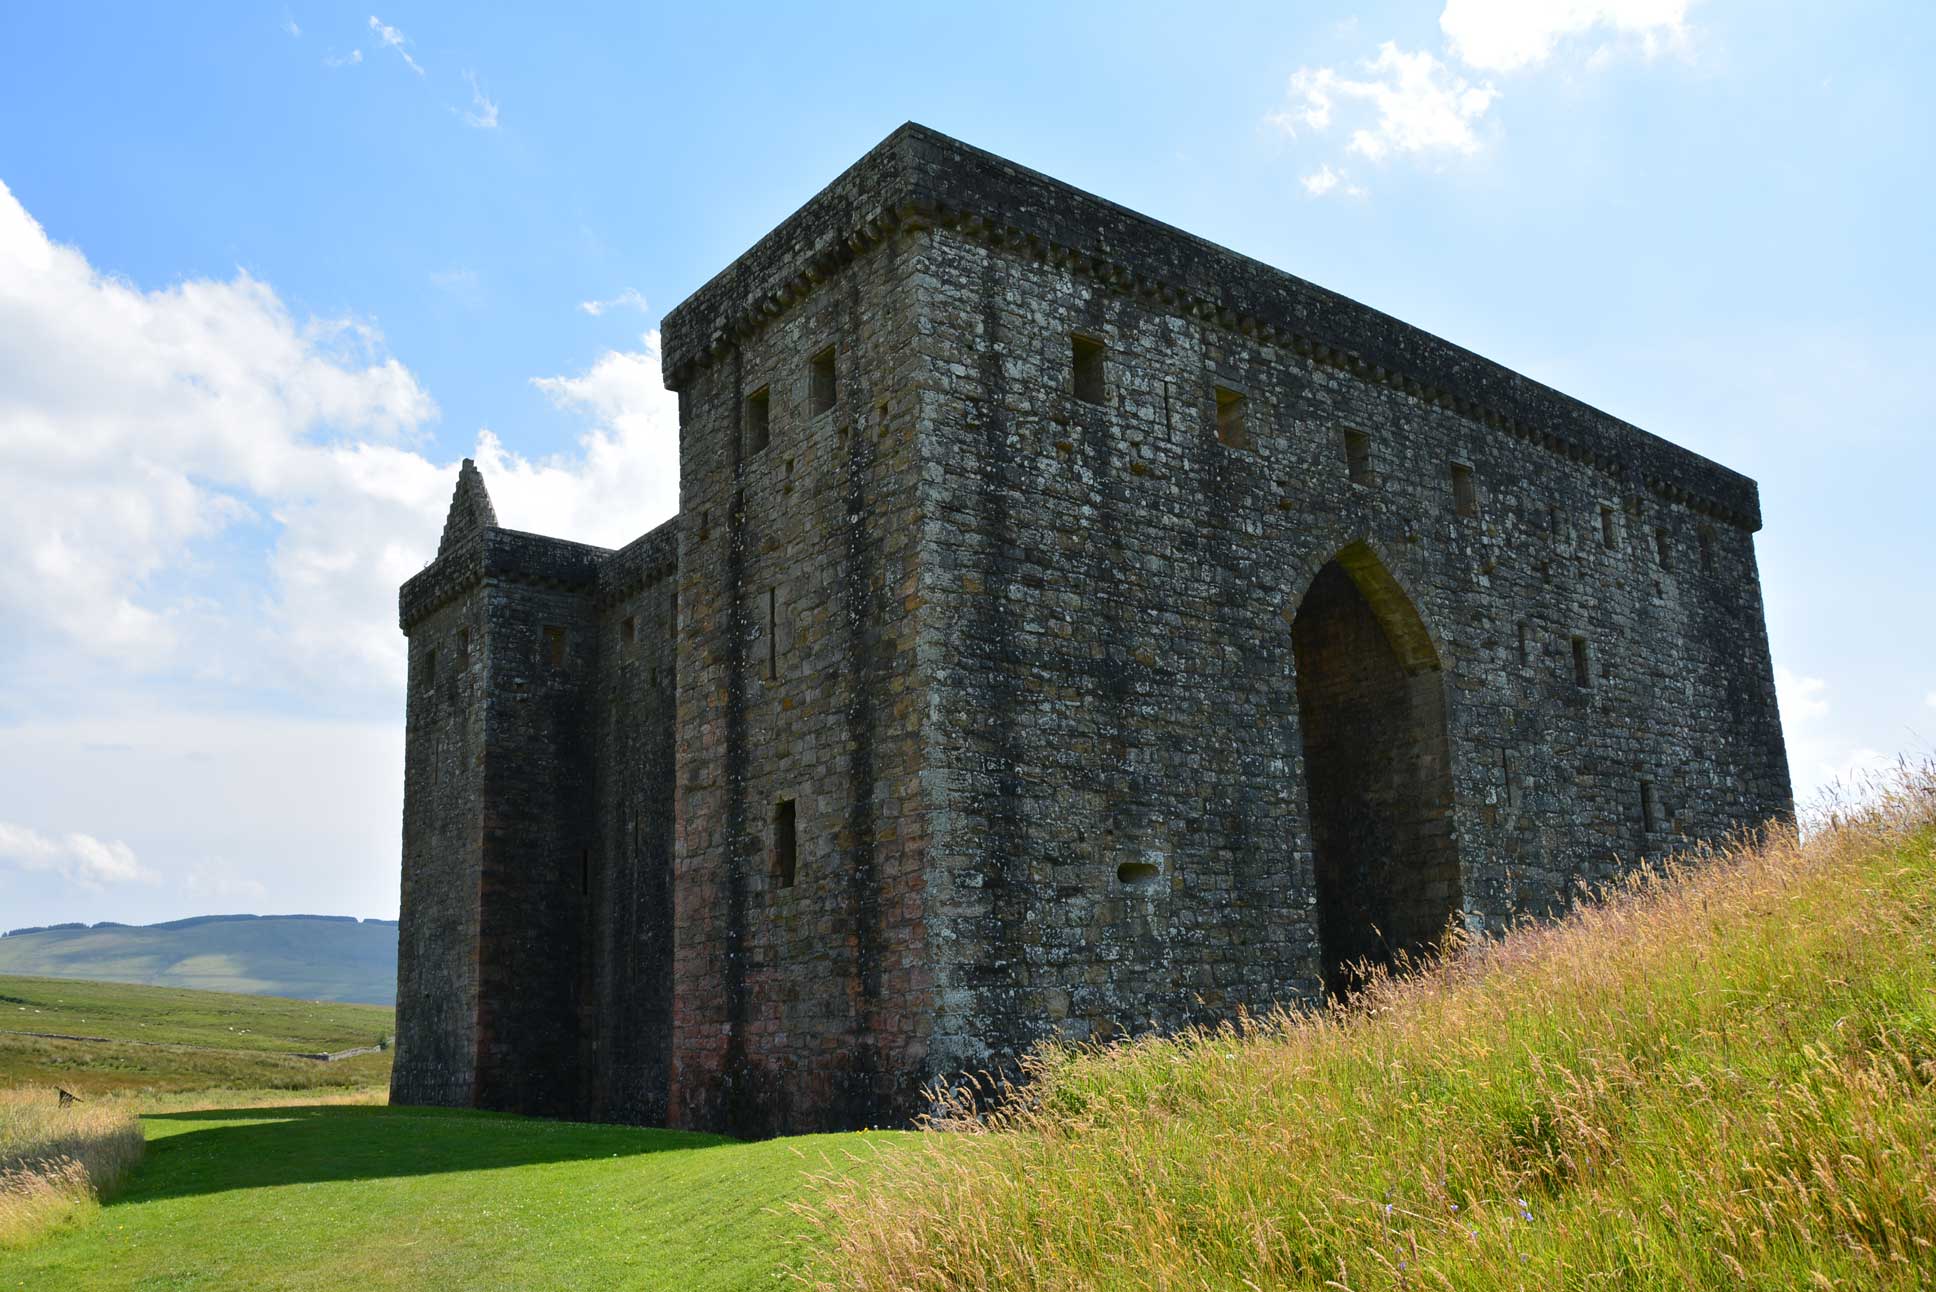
(308, 957)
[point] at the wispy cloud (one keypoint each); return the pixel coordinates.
(630, 298)
(1324, 180)
(395, 40)
(80, 858)
(289, 24)
(350, 59)
(464, 284)
(483, 112)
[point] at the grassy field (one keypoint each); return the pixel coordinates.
(280, 955)
(1725, 1078)
(372, 1197)
(160, 1039)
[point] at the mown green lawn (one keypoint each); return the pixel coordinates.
(376, 1197)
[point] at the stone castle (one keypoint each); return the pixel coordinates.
(1070, 628)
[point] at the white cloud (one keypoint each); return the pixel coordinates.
(197, 486)
(630, 298)
(1415, 103)
(78, 858)
(1507, 35)
(350, 59)
(1802, 699)
(1421, 106)
(1930, 699)
(483, 112)
(289, 24)
(141, 423)
(1324, 180)
(395, 40)
(1828, 768)
(203, 495)
(626, 478)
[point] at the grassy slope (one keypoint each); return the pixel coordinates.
(275, 955)
(237, 1041)
(1725, 1080)
(302, 1198)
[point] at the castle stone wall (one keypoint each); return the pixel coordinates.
(1086, 630)
(443, 818)
(1111, 586)
(802, 1006)
(627, 1002)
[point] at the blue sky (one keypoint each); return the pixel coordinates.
(267, 272)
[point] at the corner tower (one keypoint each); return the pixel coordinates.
(497, 821)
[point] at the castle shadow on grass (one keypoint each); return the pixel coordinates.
(257, 1148)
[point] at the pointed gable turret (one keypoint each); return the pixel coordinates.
(470, 508)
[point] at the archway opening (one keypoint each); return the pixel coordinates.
(1377, 768)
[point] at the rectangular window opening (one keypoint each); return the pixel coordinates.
(1086, 364)
(1465, 493)
(1706, 537)
(1649, 820)
(554, 641)
(1525, 642)
(1582, 666)
(1357, 457)
(463, 648)
(820, 383)
(1663, 548)
(786, 843)
(1607, 538)
(772, 633)
(1553, 519)
(628, 632)
(705, 524)
(430, 667)
(1231, 432)
(759, 409)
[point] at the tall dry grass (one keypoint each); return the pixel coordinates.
(1723, 1073)
(57, 1163)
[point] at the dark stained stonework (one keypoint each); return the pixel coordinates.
(968, 703)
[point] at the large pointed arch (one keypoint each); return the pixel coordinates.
(1377, 766)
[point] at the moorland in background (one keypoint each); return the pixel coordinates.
(311, 957)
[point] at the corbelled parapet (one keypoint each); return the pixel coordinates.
(917, 176)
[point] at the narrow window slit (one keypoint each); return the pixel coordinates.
(1231, 431)
(1465, 494)
(1086, 357)
(820, 383)
(1357, 457)
(1582, 666)
(786, 843)
(772, 633)
(759, 408)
